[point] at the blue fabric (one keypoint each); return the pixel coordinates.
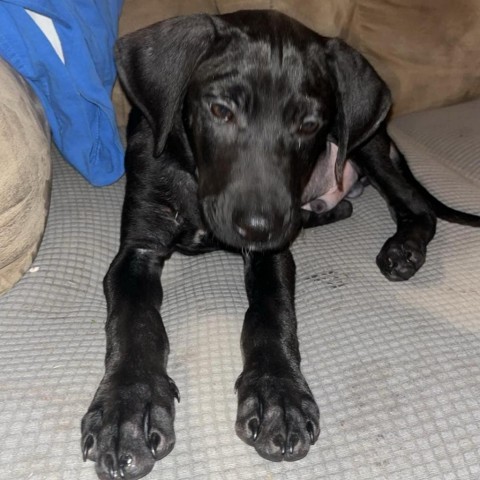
(75, 96)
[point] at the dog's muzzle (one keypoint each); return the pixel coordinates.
(248, 228)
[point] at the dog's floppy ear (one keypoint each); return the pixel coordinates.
(363, 100)
(155, 64)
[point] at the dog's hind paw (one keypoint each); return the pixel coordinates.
(399, 260)
(129, 427)
(277, 416)
(311, 219)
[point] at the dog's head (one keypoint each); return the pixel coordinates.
(258, 95)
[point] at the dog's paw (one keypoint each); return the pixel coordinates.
(277, 416)
(312, 218)
(129, 427)
(400, 259)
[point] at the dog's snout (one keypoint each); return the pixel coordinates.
(256, 226)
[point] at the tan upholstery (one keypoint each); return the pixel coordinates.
(427, 51)
(25, 177)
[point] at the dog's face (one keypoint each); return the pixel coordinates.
(257, 94)
(258, 113)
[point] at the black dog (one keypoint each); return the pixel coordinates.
(240, 120)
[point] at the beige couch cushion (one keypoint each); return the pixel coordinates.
(427, 51)
(25, 177)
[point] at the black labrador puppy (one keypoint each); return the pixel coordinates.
(245, 128)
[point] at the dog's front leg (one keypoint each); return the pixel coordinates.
(129, 424)
(277, 413)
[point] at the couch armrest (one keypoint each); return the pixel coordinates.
(25, 177)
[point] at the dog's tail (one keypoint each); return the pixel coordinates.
(450, 214)
(441, 210)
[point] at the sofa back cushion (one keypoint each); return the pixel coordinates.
(428, 51)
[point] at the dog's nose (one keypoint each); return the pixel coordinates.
(256, 227)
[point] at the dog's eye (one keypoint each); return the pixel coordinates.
(221, 111)
(308, 126)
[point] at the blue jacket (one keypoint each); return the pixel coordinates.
(75, 95)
